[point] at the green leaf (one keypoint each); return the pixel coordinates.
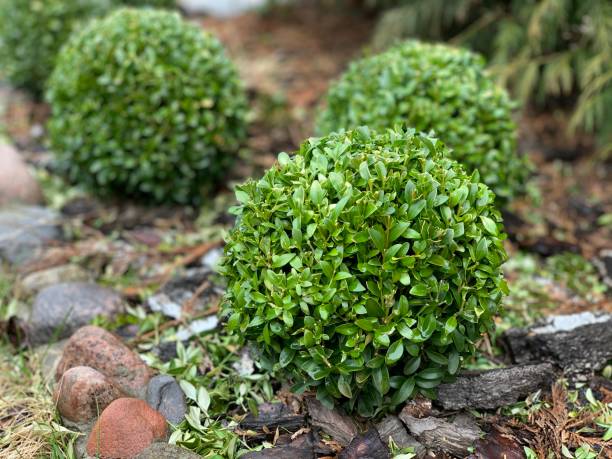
(380, 378)
(489, 225)
(364, 171)
(415, 209)
(482, 249)
(419, 290)
(395, 352)
(347, 329)
(412, 365)
(450, 325)
(404, 392)
(344, 385)
(242, 196)
(342, 275)
(286, 357)
(453, 362)
(365, 324)
(316, 192)
(378, 238)
(436, 357)
(397, 230)
(281, 260)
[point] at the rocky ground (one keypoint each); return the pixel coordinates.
(111, 343)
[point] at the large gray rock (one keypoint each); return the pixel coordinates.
(38, 280)
(17, 185)
(25, 231)
(577, 343)
(61, 309)
(166, 396)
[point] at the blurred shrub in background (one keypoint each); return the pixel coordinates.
(146, 104)
(32, 32)
(435, 87)
(366, 267)
(544, 51)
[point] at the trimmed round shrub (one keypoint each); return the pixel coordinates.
(32, 32)
(146, 104)
(366, 267)
(434, 87)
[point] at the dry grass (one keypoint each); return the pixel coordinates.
(28, 427)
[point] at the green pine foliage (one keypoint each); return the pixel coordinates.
(365, 267)
(543, 50)
(146, 104)
(32, 32)
(434, 87)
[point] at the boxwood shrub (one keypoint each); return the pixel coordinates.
(146, 104)
(434, 87)
(366, 267)
(32, 32)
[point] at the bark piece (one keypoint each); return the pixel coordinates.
(392, 427)
(500, 442)
(452, 437)
(333, 422)
(366, 446)
(273, 416)
(577, 343)
(491, 389)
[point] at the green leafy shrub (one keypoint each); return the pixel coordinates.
(543, 50)
(366, 266)
(146, 104)
(435, 87)
(32, 32)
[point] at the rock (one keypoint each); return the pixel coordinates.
(38, 280)
(169, 300)
(60, 309)
(48, 357)
(365, 446)
(166, 451)
(219, 8)
(25, 231)
(196, 327)
(17, 184)
(125, 429)
(603, 262)
(333, 422)
(455, 437)
(166, 396)
(577, 343)
(491, 389)
(272, 416)
(99, 349)
(83, 393)
(165, 351)
(392, 427)
(212, 258)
